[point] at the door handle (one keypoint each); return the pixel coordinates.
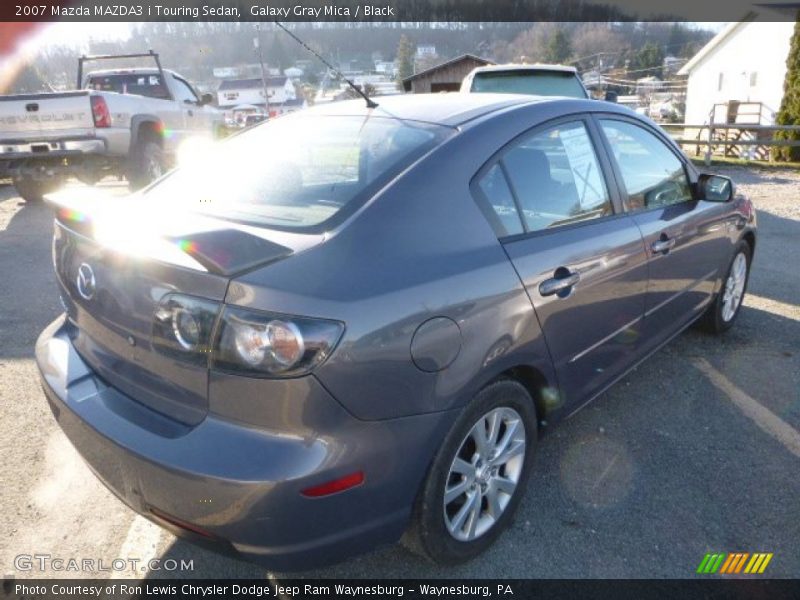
(559, 283)
(663, 245)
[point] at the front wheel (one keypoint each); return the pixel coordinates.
(477, 478)
(722, 313)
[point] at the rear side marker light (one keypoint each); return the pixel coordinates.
(335, 486)
(181, 524)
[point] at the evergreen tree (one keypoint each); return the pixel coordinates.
(648, 60)
(559, 49)
(405, 58)
(789, 113)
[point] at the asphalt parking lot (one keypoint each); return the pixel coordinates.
(696, 451)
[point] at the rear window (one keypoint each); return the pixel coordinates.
(300, 172)
(538, 83)
(150, 85)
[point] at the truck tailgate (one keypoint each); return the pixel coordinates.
(44, 116)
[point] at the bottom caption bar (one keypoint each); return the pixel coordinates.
(296, 589)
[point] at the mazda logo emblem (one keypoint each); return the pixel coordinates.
(86, 283)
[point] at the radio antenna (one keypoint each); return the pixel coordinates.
(370, 103)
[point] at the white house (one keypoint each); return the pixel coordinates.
(745, 62)
(251, 91)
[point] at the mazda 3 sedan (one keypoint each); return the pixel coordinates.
(349, 326)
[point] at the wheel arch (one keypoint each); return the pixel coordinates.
(146, 127)
(535, 383)
(750, 237)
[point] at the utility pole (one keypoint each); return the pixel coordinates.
(257, 44)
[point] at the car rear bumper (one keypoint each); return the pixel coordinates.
(51, 148)
(236, 486)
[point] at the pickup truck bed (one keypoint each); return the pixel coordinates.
(104, 129)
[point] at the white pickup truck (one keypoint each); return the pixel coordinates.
(126, 122)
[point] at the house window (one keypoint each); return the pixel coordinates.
(720, 81)
(754, 79)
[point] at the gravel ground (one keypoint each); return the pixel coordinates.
(674, 461)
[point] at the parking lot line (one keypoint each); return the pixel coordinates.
(775, 307)
(766, 420)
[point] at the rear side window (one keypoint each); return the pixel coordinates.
(150, 85)
(551, 178)
(556, 178)
(538, 83)
(497, 197)
(300, 172)
(652, 174)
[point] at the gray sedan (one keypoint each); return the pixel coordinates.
(350, 325)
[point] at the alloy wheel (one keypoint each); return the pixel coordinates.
(734, 287)
(484, 474)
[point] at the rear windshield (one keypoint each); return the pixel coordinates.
(299, 172)
(539, 83)
(150, 86)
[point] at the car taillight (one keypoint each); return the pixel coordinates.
(100, 113)
(270, 345)
(183, 327)
(245, 342)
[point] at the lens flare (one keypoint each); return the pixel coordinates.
(71, 214)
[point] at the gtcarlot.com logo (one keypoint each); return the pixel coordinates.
(735, 563)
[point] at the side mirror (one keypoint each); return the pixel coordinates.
(715, 188)
(206, 99)
(611, 96)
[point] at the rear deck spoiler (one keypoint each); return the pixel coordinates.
(224, 249)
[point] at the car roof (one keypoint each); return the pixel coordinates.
(455, 109)
(449, 109)
(526, 67)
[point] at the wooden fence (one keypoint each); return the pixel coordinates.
(730, 138)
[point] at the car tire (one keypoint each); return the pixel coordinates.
(34, 190)
(147, 163)
(723, 311)
(89, 178)
(439, 531)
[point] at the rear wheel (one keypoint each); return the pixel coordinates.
(477, 478)
(147, 163)
(722, 313)
(34, 190)
(89, 177)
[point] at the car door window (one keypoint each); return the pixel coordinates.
(556, 177)
(497, 198)
(183, 92)
(653, 175)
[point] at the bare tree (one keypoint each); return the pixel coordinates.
(596, 44)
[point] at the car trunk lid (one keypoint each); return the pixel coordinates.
(112, 281)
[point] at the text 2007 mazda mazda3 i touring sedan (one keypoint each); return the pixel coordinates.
(349, 324)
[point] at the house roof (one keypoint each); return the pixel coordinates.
(713, 44)
(250, 84)
(448, 63)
